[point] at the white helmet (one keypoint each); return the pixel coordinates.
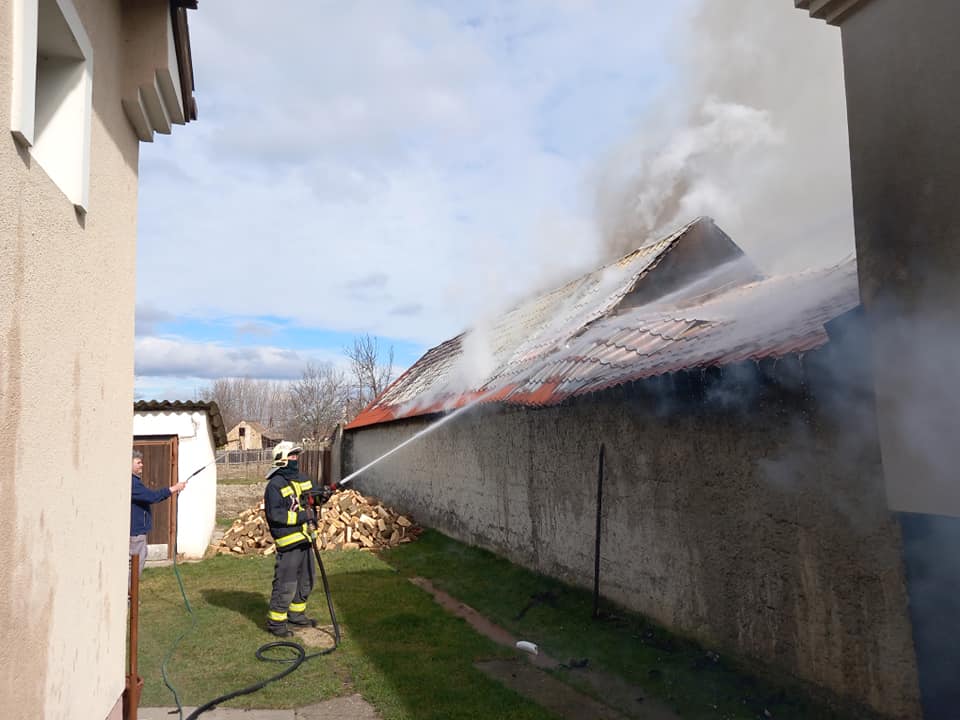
(282, 452)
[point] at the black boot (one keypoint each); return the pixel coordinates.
(279, 630)
(302, 621)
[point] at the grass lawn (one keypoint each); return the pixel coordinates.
(240, 480)
(400, 650)
(410, 658)
(695, 683)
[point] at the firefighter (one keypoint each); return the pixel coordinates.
(288, 516)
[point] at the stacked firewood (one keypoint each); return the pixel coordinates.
(347, 521)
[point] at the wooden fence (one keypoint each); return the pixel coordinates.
(315, 464)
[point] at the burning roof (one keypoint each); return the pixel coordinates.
(691, 300)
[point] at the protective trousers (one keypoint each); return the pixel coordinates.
(293, 579)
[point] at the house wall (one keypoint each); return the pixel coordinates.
(749, 517)
(66, 393)
(905, 164)
(197, 503)
(901, 67)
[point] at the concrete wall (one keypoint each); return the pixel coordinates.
(197, 504)
(66, 397)
(748, 517)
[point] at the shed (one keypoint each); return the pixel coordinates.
(177, 439)
(251, 435)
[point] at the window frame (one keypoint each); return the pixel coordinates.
(71, 176)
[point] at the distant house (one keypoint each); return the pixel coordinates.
(251, 435)
(177, 439)
(81, 85)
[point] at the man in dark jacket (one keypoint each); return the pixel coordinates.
(141, 498)
(288, 517)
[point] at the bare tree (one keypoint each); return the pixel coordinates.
(243, 398)
(317, 400)
(371, 372)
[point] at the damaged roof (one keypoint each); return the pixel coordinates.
(690, 300)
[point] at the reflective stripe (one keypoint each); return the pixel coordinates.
(290, 539)
(298, 607)
(277, 617)
(302, 487)
(286, 491)
(291, 518)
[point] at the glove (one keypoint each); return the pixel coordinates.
(316, 497)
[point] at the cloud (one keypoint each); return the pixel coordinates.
(412, 169)
(438, 146)
(408, 309)
(255, 329)
(177, 357)
(147, 318)
(369, 287)
(753, 133)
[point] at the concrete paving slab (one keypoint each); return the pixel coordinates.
(217, 714)
(352, 706)
(547, 691)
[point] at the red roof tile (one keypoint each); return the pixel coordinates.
(586, 336)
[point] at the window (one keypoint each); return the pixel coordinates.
(51, 102)
(243, 432)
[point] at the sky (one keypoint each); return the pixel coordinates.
(407, 169)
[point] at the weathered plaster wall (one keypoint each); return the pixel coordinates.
(751, 518)
(66, 398)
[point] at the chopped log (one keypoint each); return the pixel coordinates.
(348, 521)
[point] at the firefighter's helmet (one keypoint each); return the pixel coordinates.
(282, 452)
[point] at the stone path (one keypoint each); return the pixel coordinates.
(352, 706)
(623, 700)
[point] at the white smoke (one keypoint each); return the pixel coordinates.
(753, 133)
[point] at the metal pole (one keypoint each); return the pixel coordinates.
(596, 555)
(132, 695)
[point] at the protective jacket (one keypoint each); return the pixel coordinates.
(287, 516)
(141, 498)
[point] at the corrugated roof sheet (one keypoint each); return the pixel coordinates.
(583, 337)
(173, 406)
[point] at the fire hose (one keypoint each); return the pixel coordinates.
(266, 652)
(315, 499)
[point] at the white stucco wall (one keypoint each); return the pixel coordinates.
(66, 397)
(197, 504)
(66, 394)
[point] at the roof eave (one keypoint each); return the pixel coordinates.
(209, 407)
(833, 12)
